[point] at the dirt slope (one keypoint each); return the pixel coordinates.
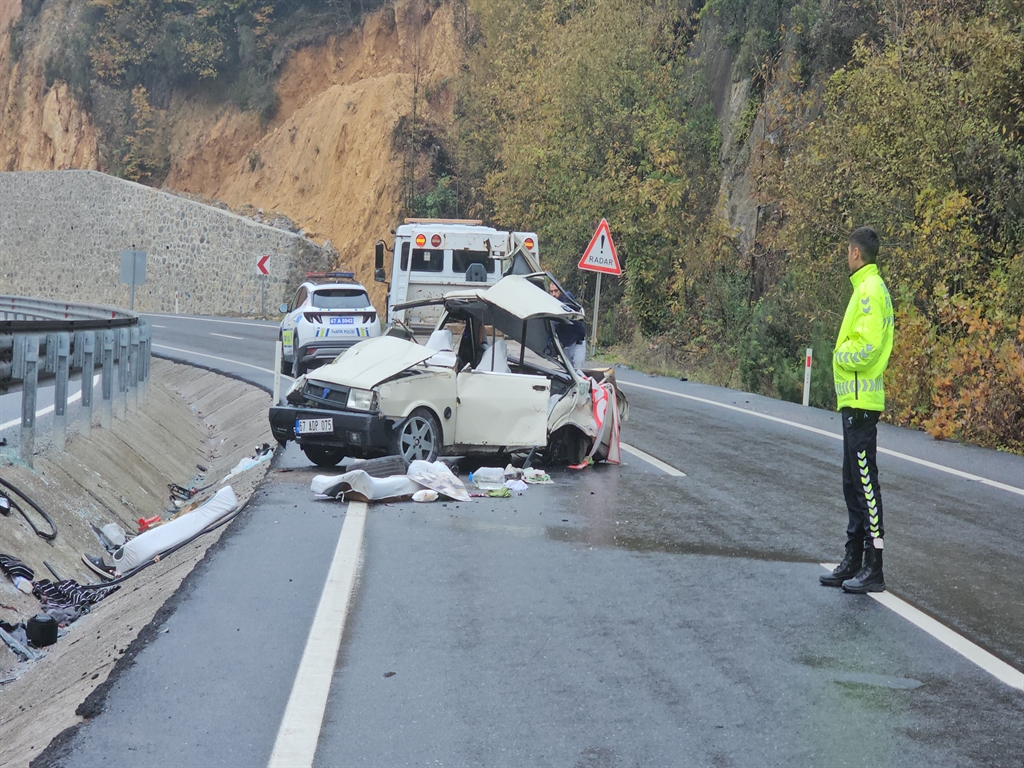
(327, 159)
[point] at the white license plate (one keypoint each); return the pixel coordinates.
(313, 426)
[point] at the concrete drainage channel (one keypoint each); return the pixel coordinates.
(194, 426)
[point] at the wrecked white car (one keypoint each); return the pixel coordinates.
(492, 379)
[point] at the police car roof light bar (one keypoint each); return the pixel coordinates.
(332, 275)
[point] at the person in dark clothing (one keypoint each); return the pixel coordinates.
(571, 333)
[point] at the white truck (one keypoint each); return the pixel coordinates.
(433, 256)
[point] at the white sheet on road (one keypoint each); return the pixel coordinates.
(362, 487)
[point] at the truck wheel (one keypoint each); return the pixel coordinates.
(418, 437)
(323, 457)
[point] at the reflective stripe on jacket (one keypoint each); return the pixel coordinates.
(864, 343)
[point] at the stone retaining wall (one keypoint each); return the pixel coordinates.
(61, 234)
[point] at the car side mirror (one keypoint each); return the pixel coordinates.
(283, 309)
(379, 275)
(378, 256)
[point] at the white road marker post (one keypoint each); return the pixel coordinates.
(807, 377)
(278, 354)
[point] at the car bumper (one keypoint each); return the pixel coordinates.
(360, 433)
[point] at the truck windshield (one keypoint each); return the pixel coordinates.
(462, 259)
(427, 260)
(340, 298)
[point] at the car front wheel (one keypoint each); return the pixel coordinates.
(418, 437)
(323, 457)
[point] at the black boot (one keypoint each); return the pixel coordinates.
(848, 568)
(869, 578)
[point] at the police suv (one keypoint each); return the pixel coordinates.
(329, 313)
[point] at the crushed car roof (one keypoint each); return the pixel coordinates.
(516, 294)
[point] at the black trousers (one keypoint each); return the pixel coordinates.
(860, 476)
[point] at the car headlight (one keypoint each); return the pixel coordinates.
(362, 399)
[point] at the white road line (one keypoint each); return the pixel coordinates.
(159, 326)
(49, 409)
(815, 430)
(221, 359)
(299, 733)
(251, 324)
(978, 656)
(666, 468)
(225, 336)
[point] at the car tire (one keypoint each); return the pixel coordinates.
(286, 367)
(323, 457)
(297, 368)
(418, 437)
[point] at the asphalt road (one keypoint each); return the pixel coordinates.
(619, 617)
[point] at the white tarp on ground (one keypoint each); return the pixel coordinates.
(158, 540)
(359, 486)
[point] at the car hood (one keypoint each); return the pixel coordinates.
(372, 361)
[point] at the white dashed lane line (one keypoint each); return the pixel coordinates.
(668, 469)
(834, 436)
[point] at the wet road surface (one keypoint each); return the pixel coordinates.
(618, 617)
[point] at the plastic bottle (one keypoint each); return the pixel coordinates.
(23, 584)
(488, 478)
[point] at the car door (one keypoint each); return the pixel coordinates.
(288, 324)
(501, 409)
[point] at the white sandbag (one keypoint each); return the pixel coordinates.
(158, 540)
(362, 487)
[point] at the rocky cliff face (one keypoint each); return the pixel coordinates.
(40, 128)
(327, 159)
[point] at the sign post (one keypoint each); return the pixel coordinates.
(133, 271)
(600, 257)
(261, 265)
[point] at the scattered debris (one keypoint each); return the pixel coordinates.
(263, 453)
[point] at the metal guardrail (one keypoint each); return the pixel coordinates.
(40, 337)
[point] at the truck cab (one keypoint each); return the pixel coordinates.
(431, 257)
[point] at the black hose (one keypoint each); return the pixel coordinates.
(36, 507)
(175, 548)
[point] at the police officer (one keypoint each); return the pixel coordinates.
(858, 364)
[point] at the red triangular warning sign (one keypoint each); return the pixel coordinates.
(600, 255)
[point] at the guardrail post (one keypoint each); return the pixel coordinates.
(30, 378)
(122, 374)
(60, 390)
(106, 415)
(87, 344)
(133, 370)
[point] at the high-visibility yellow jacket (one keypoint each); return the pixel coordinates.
(864, 343)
